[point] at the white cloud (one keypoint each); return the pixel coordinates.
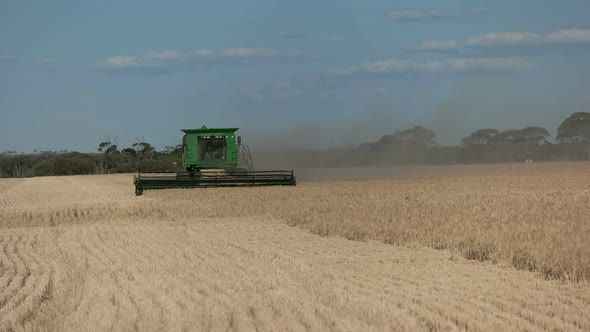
(458, 65)
(7, 58)
(439, 45)
(504, 39)
(568, 36)
(150, 60)
(489, 64)
(203, 54)
(514, 41)
(121, 61)
(166, 55)
(413, 16)
(332, 40)
(573, 36)
(256, 53)
(396, 66)
(426, 16)
(170, 59)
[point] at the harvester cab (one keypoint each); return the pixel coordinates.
(213, 157)
(214, 149)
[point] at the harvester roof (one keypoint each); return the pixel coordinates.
(205, 130)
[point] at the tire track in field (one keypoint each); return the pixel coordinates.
(192, 286)
(8, 198)
(507, 306)
(113, 258)
(30, 282)
(448, 311)
(18, 275)
(9, 269)
(144, 251)
(306, 318)
(39, 288)
(102, 299)
(127, 312)
(261, 274)
(442, 307)
(125, 251)
(96, 266)
(464, 296)
(220, 297)
(7, 201)
(364, 285)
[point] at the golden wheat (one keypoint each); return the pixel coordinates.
(83, 253)
(538, 222)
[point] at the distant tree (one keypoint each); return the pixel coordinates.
(129, 153)
(43, 168)
(110, 152)
(417, 137)
(130, 161)
(512, 136)
(413, 137)
(107, 147)
(534, 135)
(173, 149)
(480, 137)
(72, 163)
(575, 129)
(144, 150)
(389, 140)
(19, 166)
(528, 135)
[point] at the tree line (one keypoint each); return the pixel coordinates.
(418, 146)
(574, 129)
(413, 146)
(140, 157)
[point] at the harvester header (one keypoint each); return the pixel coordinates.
(213, 157)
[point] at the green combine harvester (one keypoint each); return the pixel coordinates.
(213, 157)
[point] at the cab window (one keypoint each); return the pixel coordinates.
(211, 148)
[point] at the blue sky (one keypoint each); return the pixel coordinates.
(289, 73)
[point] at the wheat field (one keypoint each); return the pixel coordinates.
(506, 250)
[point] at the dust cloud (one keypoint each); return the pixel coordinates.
(331, 133)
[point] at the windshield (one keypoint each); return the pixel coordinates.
(211, 148)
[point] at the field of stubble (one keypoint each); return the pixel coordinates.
(504, 250)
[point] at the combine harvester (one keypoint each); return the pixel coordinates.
(213, 157)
